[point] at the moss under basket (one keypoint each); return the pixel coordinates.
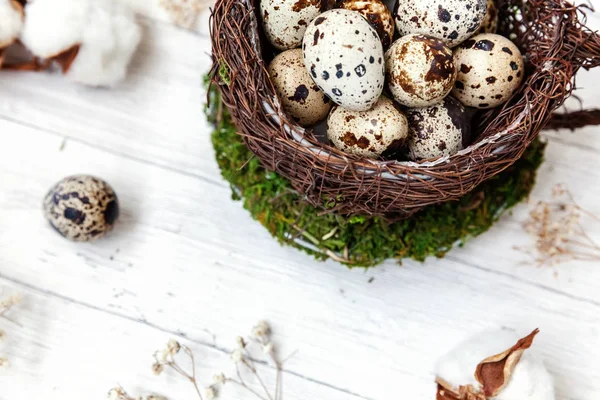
(362, 241)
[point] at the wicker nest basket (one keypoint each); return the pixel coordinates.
(551, 34)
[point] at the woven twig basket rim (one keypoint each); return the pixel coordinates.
(324, 172)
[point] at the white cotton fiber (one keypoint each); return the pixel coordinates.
(109, 42)
(53, 26)
(530, 379)
(11, 22)
(105, 30)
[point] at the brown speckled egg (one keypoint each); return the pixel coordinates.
(378, 16)
(420, 70)
(438, 130)
(490, 70)
(453, 21)
(81, 208)
(300, 96)
(377, 132)
(490, 22)
(285, 21)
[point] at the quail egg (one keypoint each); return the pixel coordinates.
(299, 95)
(420, 70)
(378, 16)
(490, 70)
(81, 208)
(453, 21)
(285, 21)
(373, 133)
(490, 22)
(438, 130)
(344, 56)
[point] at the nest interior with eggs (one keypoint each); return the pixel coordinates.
(345, 187)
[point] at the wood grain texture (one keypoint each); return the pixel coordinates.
(186, 261)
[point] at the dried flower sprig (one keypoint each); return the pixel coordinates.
(243, 356)
(118, 393)
(5, 305)
(557, 231)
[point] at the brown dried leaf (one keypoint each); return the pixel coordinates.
(2, 55)
(445, 391)
(494, 372)
(66, 58)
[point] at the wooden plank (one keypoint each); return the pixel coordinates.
(185, 258)
(59, 349)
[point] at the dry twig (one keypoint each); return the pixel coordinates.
(556, 228)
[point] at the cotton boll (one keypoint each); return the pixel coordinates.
(53, 26)
(104, 30)
(11, 22)
(529, 381)
(108, 44)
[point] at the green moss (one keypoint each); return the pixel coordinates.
(362, 241)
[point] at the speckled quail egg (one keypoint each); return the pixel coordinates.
(81, 207)
(420, 70)
(438, 130)
(490, 22)
(450, 20)
(379, 131)
(378, 15)
(299, 95)
(344, 56)
(285, 21)
(490, 70)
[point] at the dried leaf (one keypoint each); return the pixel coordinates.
(445, 391)
(66, 58)
(494, 372)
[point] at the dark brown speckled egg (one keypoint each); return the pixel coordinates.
(378, 15)
(439, 130)
(81, 208)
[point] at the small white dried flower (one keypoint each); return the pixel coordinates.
(10, 301)
(219, 379)
(262, 329)
(268, 348)
(210, 393)
(237, 356)
(173, 346)
(241, 343)
(162, 356)
(116, 394)
(4, 363)
(157, 368)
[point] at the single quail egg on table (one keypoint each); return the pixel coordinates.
(439, 130)
(285, 21)
(453, 21)
(379, 131)
(344, 56)
(420, 70)
(490, 22)
(490, 70)
(81, 208)
(378, 16)
(299, 95)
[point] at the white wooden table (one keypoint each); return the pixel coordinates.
(187, 262)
